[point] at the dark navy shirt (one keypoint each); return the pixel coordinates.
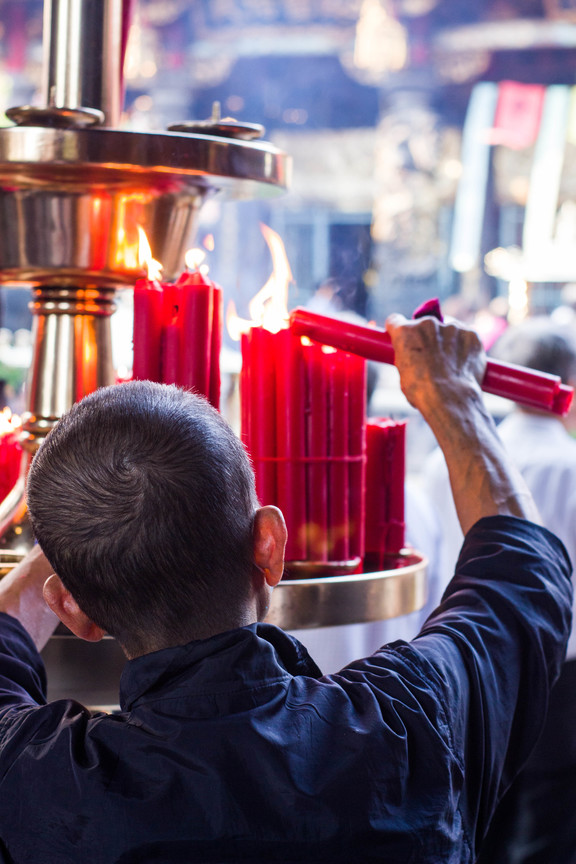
(235, 749)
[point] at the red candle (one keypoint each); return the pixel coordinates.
(170, 352)
(369, 342)
(527, 386)
(396, 470)
(246, 411)
(291, 441)
(338, 396)
(258, 383)
(170, 343)
(216, 345)
(196, 311)
(385, 472)
(148, 304)
(317, 437)
(357, 445)
(10, 451)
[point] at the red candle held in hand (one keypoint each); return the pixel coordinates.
(526, 386)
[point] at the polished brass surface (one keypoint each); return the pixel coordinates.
(59, 118)
(72, 352)
(82, 55)
(226, 127)
(333, 600)
(72, 200)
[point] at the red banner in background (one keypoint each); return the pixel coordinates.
(518, 114)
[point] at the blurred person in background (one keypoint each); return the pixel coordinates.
(536, 821)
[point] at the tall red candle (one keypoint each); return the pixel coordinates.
(258, 383)
(10, 451)
(357, 447)
(396, 455)
(290, 440)
(385, 475)
(195, 318)
(216, 345)
(339, 450)
(148, 311)
(317, 438)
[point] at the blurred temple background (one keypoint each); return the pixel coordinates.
(433, 142)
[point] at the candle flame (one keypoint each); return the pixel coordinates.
(9, 422)
(269, 307)
(208, 242)
(194, 258)
(145, 259)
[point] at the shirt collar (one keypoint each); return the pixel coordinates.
(236, 659)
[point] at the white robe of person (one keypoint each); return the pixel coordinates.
(545, 454)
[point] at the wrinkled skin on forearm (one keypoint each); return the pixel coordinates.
(441, 366)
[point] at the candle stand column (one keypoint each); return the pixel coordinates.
(72, 357)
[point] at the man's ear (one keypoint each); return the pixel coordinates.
(269, 538)
(61, 602)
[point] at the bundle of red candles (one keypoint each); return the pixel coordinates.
(178, 333)
(303, 422)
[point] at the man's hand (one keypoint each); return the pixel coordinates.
(441, 366)
(437, 362)
(21, 596)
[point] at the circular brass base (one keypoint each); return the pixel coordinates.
(298, 604)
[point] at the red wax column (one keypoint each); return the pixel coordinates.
(396, 453)
(258, 415)
(148, 302)
(195, 319)
(385, 471)
(216, 345)
(245, 390)
(338, 423)
(170, 335)
(14, 459)
(170, 352)
(357, 447)
(317, 463)
(10, 458)
(290, 441)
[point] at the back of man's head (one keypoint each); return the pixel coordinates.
(539, 343)
(142, 499)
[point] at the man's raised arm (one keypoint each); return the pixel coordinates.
(441, 366)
